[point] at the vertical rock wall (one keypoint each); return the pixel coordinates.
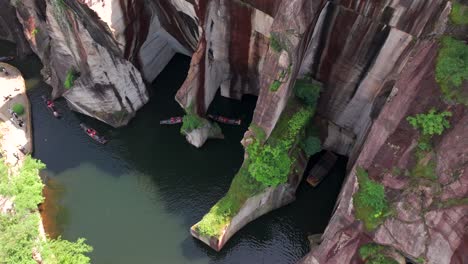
(68, 37)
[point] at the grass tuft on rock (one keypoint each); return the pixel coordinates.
(275, 85)
(369, 201)
(275, 42)
(191, 121)
(375, 254)
(70, 79)
(452, 69)
(459, 14)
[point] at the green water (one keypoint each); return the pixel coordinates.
(136, 198)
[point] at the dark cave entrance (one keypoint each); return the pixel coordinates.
(163, 89)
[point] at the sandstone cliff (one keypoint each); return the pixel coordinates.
(429, 219)
(376, 60)
(76, 47)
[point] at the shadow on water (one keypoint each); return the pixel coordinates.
(135, 198)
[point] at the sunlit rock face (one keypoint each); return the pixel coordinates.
(375, 60)
(149, 33)
(74, 44)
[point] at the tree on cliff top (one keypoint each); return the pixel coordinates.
(19, 231)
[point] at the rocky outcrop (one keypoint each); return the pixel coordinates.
(10, 28)
(73, 43)
(230, 52)
(149, 33)
(270, 199)
(374, 58)
(429, 221)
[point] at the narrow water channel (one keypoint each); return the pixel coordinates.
(136, 198)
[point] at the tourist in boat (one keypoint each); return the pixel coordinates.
(91, 132)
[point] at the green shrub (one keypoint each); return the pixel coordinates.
(70, 79)
(275, 43)
(219, 215)
(18, 235)
(260, 134)
(269, 164)
(275, 85)
(25, 186)
(374, 254)
(368, 250)
(297, 122)
(452, 69)
(19, 232)
(432, 123)
(369, 201)
(58, 251)
(459, 14)
(191, 122)
(18, 109)
(307, 92)
(312, 145)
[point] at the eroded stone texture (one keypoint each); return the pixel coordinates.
(71, 38)
(10, 28)
(429, 222)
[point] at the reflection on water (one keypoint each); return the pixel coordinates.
(53, 193)
(136, 198)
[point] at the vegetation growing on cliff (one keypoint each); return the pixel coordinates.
(308, 91)
(429, 124)
(312, 145)
(459, 14)
(191, 121)
(275, 85)
(59, 251)
(70, 79)
(452, 69)
(432, 123)
(369, 201)
(375, 254)
(275, 42)
(19, 230)
(270, 163)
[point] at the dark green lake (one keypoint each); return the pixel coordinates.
(135, 198)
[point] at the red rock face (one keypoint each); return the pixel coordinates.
(178, 24)
(239, 46)
(424, 225)
(268, 6)
(137, 20)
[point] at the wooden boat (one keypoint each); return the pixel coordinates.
(171, 121)
(6, 58)
(93, 134)
(51, 106)
(321, 168)
(225, 120)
